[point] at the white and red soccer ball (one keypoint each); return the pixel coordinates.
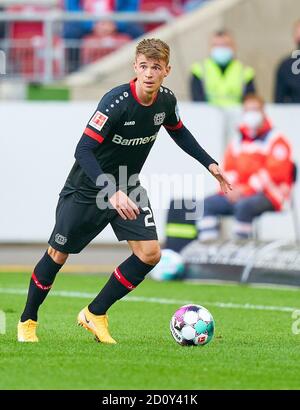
(192, 325)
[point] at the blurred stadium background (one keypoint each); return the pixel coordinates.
(51, 83)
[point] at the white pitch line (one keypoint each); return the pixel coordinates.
(73, 294)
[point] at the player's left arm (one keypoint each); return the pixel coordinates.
(187, 142)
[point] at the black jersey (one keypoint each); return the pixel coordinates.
(126, 131)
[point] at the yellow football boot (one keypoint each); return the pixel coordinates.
(27, 331)
(98, 325)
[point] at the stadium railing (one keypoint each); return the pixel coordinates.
(43, 59)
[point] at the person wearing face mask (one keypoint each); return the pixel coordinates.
(259, 165)
(221, 79)
(287, 84)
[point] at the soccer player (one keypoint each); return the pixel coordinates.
(116, 141)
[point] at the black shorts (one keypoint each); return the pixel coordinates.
(78, 223)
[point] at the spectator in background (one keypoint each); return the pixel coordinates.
(221, 79)
(93, 31)
(135, 29)
(76, 30)
(132, 29)
(107, 35)
(259, 166)
(287, 85)
(73, 32)
(100, 7)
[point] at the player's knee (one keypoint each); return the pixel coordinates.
(151, 256)
(57, 256)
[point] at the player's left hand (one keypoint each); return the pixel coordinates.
(218, 174)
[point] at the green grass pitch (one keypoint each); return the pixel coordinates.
(253, 347)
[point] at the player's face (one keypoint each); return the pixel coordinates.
(150, 73)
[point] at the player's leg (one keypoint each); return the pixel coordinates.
(246, 210)
(214, 206)
(76, 225)
(126, 277)
(141, 236)
(40, 284)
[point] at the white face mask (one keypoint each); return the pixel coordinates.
(222, 55)
(253, 119)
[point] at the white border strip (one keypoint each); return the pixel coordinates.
(161, 301)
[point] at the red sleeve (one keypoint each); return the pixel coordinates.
(104, 119)
(173, 121)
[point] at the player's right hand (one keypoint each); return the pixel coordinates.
(125, 207)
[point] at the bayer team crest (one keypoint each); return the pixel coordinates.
(60, 239)
(159, 118)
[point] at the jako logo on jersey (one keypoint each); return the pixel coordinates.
(159, 118)
(118, 139)
(98, 120)
(129, 123)
(60, 239)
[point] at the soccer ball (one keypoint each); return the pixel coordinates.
(169, 267)
(192, 325)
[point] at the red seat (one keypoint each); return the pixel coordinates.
(25, 29)
(27, 50)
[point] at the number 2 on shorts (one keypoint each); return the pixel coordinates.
(148, 217)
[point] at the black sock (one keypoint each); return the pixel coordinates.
(40, 284)
(124, 279)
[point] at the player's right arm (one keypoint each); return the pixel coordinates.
(84, 154)
(97, 130)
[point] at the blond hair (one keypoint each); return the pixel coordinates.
(154, 49)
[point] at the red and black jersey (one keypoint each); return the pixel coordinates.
(125, 131)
